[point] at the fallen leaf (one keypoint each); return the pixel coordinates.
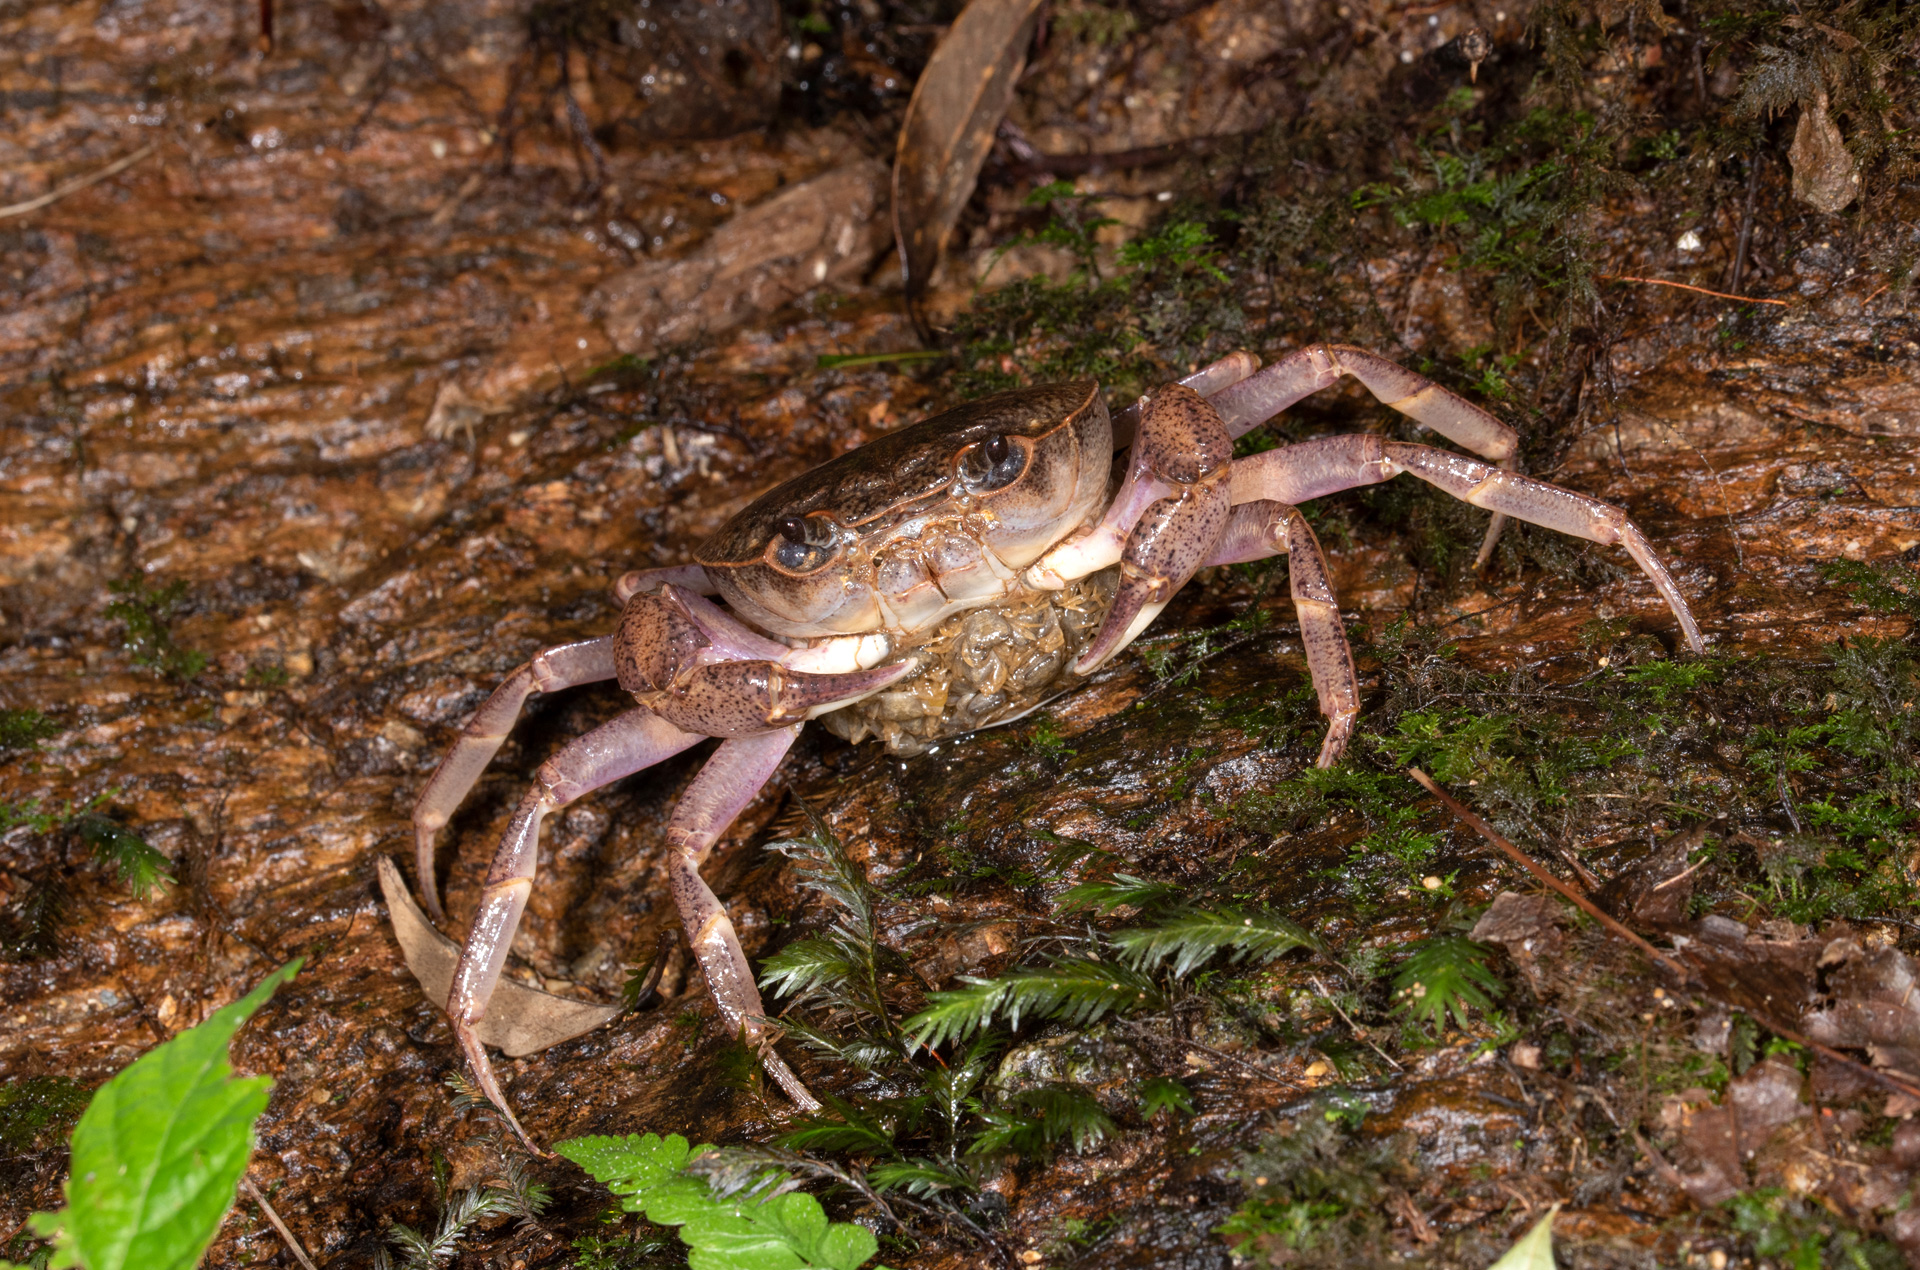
(1720, 1141)
(1876, 1005)
(1823, 173)
(826, 229)
(1534, 1250)
(956, 106)
(520, 1020)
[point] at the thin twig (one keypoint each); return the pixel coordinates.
(1353, 1027)
(1680, 968)
(1540, 874)
(1662, 282)
(1746, 222)
(254, 1193)
(78, 183)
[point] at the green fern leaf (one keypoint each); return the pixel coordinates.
(1162, 1093)
(1075, 989)
(1108, 894)
(1446, 974)
(1034, 1121)
(857, 1126)
(807, 968)
(1190, 936)
(785, 1230)
(921, 1178)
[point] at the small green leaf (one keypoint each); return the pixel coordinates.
(1534, 1250)
(787, 1232)
(629, 1164)
(160, 1149)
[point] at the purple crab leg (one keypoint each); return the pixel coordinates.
(1252, 401)
(1296, 473)
(549, 670)
(728, 782)
(634, 740)
(690, 576)
(1263, 528)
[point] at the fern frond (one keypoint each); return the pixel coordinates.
(1076, 989)
(1034, 1121)
(1448, 973)
(951, 1086)
(921, 1178)
(864, 1052)
(1192, 935)
(869, 1126)
(139, 865)
(808, 968)
(843, 966)
(1107, 894)
(756, 1172)
(825, 867)
(1162, 1093)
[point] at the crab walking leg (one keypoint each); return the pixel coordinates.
(1206, 381)
(1264, 528)
(1166, 520)
(1252, 401)
(635, 740)
(690, 576)
(724, 786)
(1324, 466)
(1539, 503)
(1329, 656)
(548, 671)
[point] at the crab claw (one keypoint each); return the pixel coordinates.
(743, 698)
(1184, 453)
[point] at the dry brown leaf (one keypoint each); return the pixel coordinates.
(823, 230)
(956, 106)
(520, 1020)
(1824, 177)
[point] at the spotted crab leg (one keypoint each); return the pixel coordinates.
(634, 740)
(728, 782)
(549, 670)
(1170, 511)
(1297, 473)
(1265, 528)
(1250, 401)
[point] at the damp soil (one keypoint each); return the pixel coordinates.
(343, 357)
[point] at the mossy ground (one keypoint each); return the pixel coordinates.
(326, 593)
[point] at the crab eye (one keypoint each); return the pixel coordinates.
(804, 544)
(992, 464)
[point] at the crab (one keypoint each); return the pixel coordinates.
(949, 576)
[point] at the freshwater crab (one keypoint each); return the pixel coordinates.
(950, 576)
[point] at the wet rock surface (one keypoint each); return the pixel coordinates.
(393, 356)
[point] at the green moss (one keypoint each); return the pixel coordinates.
(35, 1110)
(145, 613)
(1893, 587)
(1316, 1187)
(25, 729)
(1796, 1233)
